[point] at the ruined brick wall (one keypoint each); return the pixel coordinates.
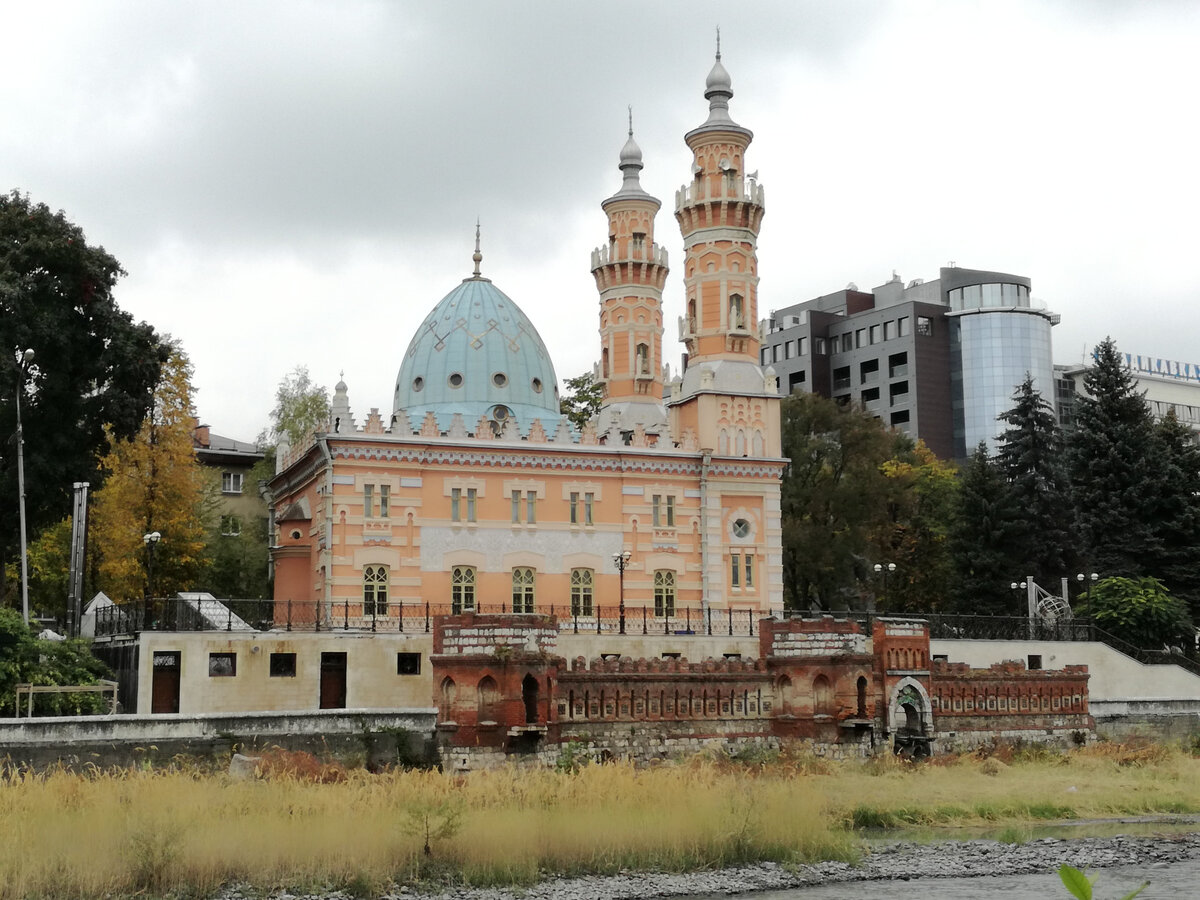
(1007, 701)
(471, 633)
(664, 690)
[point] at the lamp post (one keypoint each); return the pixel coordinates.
(1082, 578)
(151, 541)
(22, 369)
(885, 570)
(621, 560)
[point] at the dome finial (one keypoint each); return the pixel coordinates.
(477, 256)
(718, 42)
(631, 120)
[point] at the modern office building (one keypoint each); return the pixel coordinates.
(936, 359)
(1168, 385)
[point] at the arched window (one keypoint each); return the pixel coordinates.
(862, 697)
(643, 359)
(446, 700)
(462, 589)
(375, 591)
(604, 363)
(822, 696)
(488, 697)
(522, 590)
(737, 314)
(581, 592)
(529, 696)
(664, 592)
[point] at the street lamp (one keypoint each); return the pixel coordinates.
(885, 570)
(151, 541)
(22, 369)
(621, 560)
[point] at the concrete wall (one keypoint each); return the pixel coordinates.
(372, 681)
(1113, 675)
(371, 736)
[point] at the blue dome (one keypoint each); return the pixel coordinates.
(477, 354)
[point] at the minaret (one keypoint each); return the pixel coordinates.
(630, 272)
(719, 215)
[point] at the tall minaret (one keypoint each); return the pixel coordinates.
(630, 272)
(719, 214)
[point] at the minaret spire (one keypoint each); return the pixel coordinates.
(630, 271)
(477, 256)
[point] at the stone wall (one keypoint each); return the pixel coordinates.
(378, 737)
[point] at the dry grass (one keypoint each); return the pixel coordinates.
(118, 834)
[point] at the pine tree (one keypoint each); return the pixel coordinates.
(986, 540)
(1030, 460)
(1118, 472)
(1180, 520)
(154, 484)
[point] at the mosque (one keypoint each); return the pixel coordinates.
(477, 494)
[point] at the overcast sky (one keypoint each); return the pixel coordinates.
(297, 183)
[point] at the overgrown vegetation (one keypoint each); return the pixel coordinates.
(306, 825)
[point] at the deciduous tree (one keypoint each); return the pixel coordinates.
(1140, 611)
(301, 407)
(154, 484)
(582, 400)
(834, 498)
(93, 371)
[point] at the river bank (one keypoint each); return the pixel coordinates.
(902, 861)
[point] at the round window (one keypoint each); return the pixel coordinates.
(537, 385)
(455, 379)
(499, 379)
(295, 535)
(418, 383)
(741, 528)
(500, 413)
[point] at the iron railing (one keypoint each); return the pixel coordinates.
(180, 614)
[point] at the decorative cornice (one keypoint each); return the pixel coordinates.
(688, 464)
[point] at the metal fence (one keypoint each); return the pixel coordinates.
(179, 614)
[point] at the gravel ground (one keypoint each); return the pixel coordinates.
(900, 861)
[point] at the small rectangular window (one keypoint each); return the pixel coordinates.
(383, 501)
(874, 334)
(735, 570)
(889, 330)
(1035, 661)
(222, 665)
(231, 526)
(789, 349)
(670, 511)
(531, 507)
(656, 510)
(749, 570)
(368, 501)
(283, 665)
(470, 504)
(231, 482)
(860, 338)
(455, 504)
(924, 326)
(819, 346)
(587, 508)
(802, 346)
(847, 342)
(408, 663)
(516, 506)
(902, 326)
(574, 508)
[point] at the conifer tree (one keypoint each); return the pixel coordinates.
(986, 539)
(1180, 520)
(154, 484)
(1030, 461)
(1118, 472)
